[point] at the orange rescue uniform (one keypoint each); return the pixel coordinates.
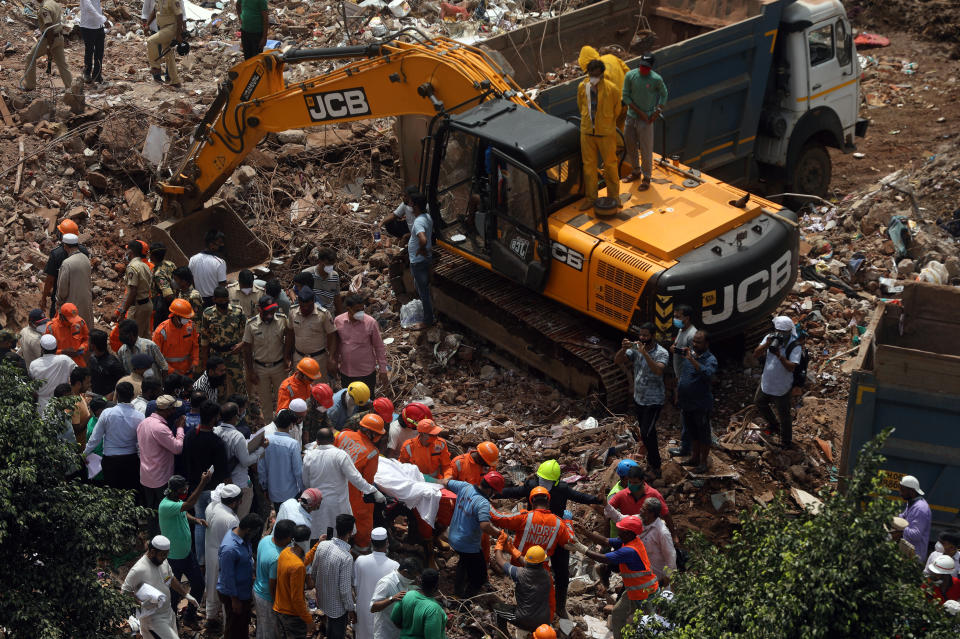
(72, 336)
(366, 459)
(432, 459)
(180, 346)
(463, 468)
(290, 389)
(538, 527)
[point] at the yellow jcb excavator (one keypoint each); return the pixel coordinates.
(519, 263)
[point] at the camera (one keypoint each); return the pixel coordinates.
(774, 343)
(684, 351)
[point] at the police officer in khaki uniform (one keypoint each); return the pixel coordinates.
(245, 293)
(161, 290)
(169, 16)
(265, 354)
(139, 278)
(313, 334)
(50, 43)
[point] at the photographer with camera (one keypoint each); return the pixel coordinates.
(783, 353)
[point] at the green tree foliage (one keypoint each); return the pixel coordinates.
(53, 531)
(832, 575)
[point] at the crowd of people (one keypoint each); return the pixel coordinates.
(245, 418)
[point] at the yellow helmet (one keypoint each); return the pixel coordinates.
(535, 555)
(549, 470)
(359, 391)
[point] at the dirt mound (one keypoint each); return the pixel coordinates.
(937, 20)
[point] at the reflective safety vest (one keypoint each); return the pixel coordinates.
(180, 346)
(538, 527)
(638, 584)
(432, 460)
(364, 454)
(292, 388)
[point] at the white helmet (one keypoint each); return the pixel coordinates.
(951, 606)
(942, 565)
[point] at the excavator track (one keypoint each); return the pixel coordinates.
(572, 350)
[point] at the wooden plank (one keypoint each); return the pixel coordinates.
(739, 447)
(5, 112)
(16, 184)
(922, 370)
(932, 302)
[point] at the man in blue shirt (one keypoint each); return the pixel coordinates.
(420, 248)
(696, 399)
(471, 518)
(117, 429)
(649, 361)
(265, 587)
(235, 582)
(281, 468)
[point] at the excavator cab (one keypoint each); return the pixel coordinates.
(493, 175)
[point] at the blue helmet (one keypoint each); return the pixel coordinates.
(624, 467)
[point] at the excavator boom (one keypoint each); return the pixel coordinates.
(386, 79)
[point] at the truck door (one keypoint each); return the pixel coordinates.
(832, 71)
(519, 246)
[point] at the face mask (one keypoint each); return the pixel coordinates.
(322, 410)
(644, 71)
(636, 489)
(677, 323)
(147, 374)
(246, 291)
(328, 269)
(359, 315)
(594, 81)
(544, 483)
(223, 305)
(217, 380)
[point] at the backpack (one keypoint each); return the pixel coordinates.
(800, 370)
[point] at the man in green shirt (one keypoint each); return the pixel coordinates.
(418, 614)
(174, 514)
(644, 93)
(253, 26)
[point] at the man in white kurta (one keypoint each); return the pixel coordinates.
(389, 591)
(367, 571)
(657, 540)
(221, 518)
(298, 509)
(328, 469)
(157, 618)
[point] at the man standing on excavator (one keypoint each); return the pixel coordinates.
(599, 103)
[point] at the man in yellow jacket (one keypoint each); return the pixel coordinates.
(599, 102)
(615, 70)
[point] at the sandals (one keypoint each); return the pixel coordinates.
(633, 176)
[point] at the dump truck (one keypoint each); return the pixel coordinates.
(522, 262)
(758, 91)
(906, 376)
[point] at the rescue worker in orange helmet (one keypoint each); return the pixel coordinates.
(427, 451)
(630, 559)
(474, 464)
(361, 446)
(72, 333)
(536, 526)
(298, 385)
(178, 339)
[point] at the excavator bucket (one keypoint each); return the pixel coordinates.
(184, 237)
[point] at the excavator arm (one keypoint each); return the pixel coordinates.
(414, 75)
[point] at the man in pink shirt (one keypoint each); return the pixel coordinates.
(361, 355)
(158, 445)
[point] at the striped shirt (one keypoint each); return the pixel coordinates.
(333, 573)
(325, 288)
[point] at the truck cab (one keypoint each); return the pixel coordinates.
(814, 97)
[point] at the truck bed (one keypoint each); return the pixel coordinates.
(907, 377)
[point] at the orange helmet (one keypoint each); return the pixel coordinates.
(544, 632)
(372, 422)
(309, 367)
(489, 452)
(322, 394)
(181, 308)
(539, 490)
(384, 408)
(68, 226)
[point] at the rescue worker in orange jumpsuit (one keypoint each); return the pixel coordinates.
(535, 527)
(361, 446)
(72, 333)
(298, 385)
(178, 339)
(473, 465)
(630, 559)
(430, 454)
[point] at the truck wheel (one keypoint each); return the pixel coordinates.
(811, 171)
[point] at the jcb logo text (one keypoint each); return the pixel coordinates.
(337, 104)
